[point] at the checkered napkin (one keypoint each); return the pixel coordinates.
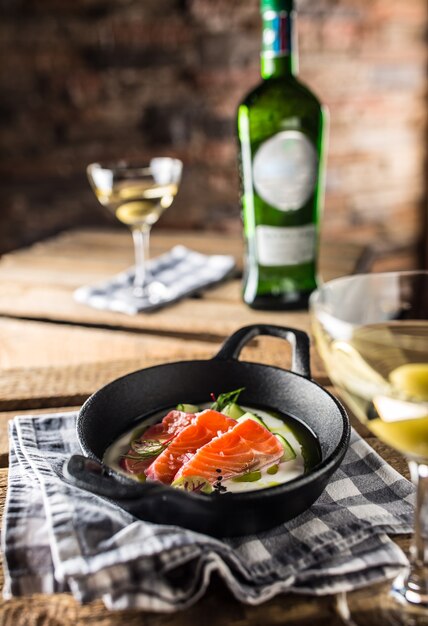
(181, 271)
(57, 537)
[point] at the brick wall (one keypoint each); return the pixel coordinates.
(82, 80)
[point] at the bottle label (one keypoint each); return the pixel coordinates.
(285, 170)
(277, 245)
(276, 40)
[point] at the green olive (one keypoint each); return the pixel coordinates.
(412, 380)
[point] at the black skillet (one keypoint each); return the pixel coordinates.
(124, 403)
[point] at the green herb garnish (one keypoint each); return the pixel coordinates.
(147, 448)
(226, 398)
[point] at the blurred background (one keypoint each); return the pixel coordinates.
(88, 80)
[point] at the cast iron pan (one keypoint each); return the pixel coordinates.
(122, 404)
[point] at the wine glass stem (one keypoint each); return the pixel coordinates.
(419, 473)
(414, 587)
(141, 237)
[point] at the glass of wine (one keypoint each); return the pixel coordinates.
(372, 334)
(138, 195)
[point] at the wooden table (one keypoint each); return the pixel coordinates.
(55, 353)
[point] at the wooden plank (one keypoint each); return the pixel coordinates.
(46, 364)
(115, 246)
(4, 438)
(189, 317)
(54, 386)
(79, 271)
(38, 283)
(27, 344)
(99, 243)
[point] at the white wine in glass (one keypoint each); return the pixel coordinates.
(372, 334)
(138, 195)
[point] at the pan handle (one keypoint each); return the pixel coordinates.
(299, 340)
(92, 476)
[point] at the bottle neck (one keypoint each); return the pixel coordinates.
(279, 54)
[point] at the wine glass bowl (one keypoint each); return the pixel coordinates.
(138, 194)
(372, 334)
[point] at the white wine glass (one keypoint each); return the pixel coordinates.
(138, 195)
(372, 333)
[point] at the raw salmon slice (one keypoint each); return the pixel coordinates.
(204, 428)
(133, 466)
(247, 447)
(173, 423)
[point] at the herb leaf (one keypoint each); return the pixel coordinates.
(148, 448)
(132, 457)
(226, 398)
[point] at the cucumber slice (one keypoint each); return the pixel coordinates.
(250, 477)
(233, 410)
(195, 484)
(289, 453)
(188, 408)
(253, 417)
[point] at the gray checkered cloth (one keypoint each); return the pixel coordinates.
(57, 537)
(181, 271)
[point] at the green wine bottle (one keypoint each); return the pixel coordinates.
(281, 130)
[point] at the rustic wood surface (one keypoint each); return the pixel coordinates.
(54, 353)
(38, 283)
(66, 364)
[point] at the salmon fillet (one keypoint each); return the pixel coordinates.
(247, 447)
(207, 425)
